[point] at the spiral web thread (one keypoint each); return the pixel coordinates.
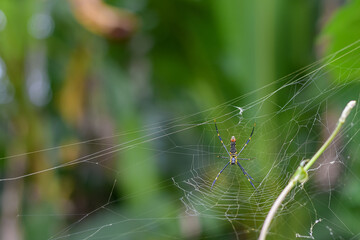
(286, 133)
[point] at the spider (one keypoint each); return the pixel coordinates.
(234, 156)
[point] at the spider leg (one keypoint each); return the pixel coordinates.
(247, 175)
(219, 175)
(244, 159)
(221, 138)
(247, 140)
(224, 157)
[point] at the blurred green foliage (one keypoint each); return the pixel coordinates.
(343, 31)
(186, 56)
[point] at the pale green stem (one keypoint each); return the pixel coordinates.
(301, 174)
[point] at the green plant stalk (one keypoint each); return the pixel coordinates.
(301, 174)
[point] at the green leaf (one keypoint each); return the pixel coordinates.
(341, 36)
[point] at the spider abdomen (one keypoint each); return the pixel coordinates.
(233, 148)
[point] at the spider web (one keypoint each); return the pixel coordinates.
(275, 149)
(286, 133)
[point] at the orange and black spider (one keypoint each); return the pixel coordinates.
(234, 155)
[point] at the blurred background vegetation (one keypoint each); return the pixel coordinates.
(76, 70)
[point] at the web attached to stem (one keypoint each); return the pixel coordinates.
(286, 133)
(274, 150)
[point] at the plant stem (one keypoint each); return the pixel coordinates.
(301, 174)
(341, 121)
(274, 208)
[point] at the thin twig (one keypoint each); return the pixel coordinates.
(301, 174)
